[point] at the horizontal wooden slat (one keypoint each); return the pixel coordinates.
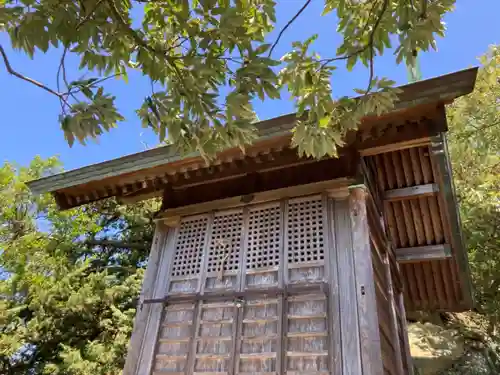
(411, 192)
(307, 354)
(258, 355)
(307, 334)
(423, 253)
(329, 186)
(423, 141)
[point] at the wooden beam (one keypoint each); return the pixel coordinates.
(441, 162)
(411, 192)
(371, 352)
(404, 326)
(344, 262)
(226, 170)
(370, 151)
(158, 288)
(423, 253)
(142, 317)
(329, 186)
(394, 317)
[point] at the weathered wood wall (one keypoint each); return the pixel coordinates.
(272, 288)
(389, 291)
(418, 227)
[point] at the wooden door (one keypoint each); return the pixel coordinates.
(248, 293)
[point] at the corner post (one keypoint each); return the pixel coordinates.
(371, 355)
(147, 319)
(342, 265)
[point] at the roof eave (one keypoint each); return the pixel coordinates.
(443, 89)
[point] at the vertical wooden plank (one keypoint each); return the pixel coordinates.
(406, 348)
(333, 298)
(160, 288)
(238, 340)
(284, 268)
(371, 356)
(283, 255)
(280, 349)
(349, 328)
(194, 335)
(244, 247)
(284, 336)
(204, 256)
(141, 318)
(390, 292)
(236, 334)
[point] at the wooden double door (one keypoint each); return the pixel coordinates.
(248, 292)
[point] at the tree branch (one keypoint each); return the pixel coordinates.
(117, 244)
(90, 14)
(371, 40)
(141, 42)
(306, 4)
(362, 49)
(27, 79)
(131, 32)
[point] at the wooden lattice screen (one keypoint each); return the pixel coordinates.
(259, 290)
(260, 250)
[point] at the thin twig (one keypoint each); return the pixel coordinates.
(90, 14)
(361, 50)
(27, 79)
(131, 32)
(370, 43)
(141, 42)
(306, 4)
(61, 68)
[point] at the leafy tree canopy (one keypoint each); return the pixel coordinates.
(474, 140)
(68, 280)
(211, 58)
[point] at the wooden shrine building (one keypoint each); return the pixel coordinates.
(268, 263)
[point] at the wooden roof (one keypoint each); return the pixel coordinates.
(150, 171)
(423, 225)
(405, 150)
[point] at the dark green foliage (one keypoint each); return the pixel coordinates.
(210, 59)
(475, 149)
(67, 303)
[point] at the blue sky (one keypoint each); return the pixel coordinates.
(29, 121)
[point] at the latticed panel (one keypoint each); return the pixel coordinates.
(306, 335)
(174, 339)
(263, 246)
(187, 261)
(305, 244)
(259, 337)
(214, 338)
(224, 250)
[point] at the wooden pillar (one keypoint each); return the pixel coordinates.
(348, 312)
(147, 319)
(371, 355)
(393, 314)
(404, 325)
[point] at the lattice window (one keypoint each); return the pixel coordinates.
(263, 247)
(305, 232)
(189, 246)
(225, 243)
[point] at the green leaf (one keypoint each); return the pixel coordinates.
(262, 48)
